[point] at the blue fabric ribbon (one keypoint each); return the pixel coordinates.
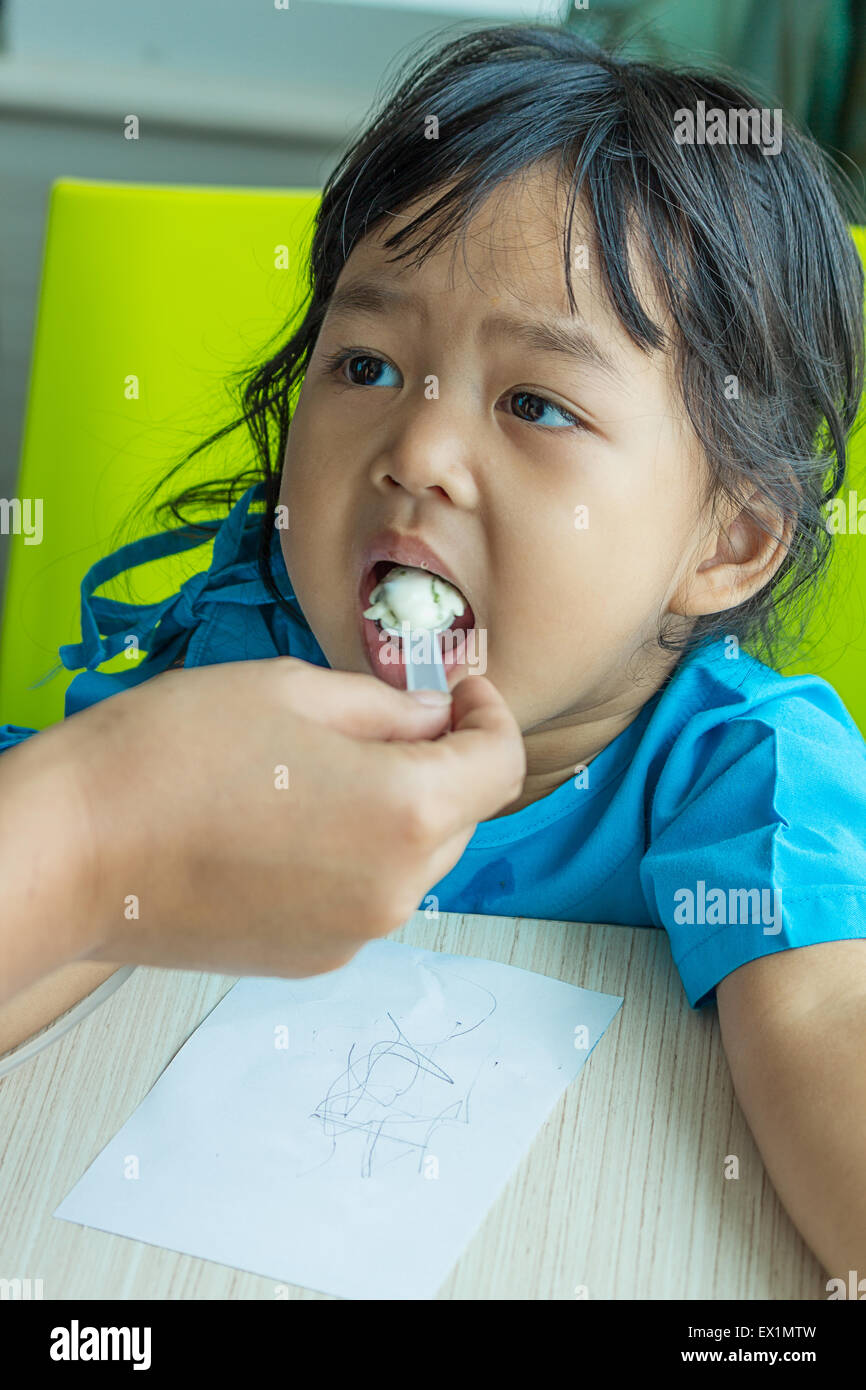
(106, 623)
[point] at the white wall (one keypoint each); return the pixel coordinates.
(339, 44)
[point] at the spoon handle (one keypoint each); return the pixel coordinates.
(424, 675)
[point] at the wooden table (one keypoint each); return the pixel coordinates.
(623, 1192)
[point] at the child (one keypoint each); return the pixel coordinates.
(613, 422)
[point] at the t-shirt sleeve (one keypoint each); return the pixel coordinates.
(757, 836)
(10, 734)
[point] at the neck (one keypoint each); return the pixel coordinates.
(559, 748)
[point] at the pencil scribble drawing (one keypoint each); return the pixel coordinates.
(391, 1095)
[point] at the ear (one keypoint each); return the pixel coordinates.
(740, 556)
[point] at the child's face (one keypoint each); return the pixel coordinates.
(569, 542)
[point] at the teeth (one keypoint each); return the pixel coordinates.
(413, 595)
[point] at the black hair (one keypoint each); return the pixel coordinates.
(749, 252)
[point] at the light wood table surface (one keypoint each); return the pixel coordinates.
(623, 1191)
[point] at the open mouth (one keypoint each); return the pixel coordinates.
(384, 650)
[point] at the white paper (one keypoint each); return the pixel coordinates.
(346, 1132)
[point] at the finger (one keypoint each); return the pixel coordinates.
(361, 705)
(446, 855)
(478, 767)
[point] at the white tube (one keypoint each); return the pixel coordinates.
(24, 1051)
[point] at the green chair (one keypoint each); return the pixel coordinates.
(835, 641)
(176, 287)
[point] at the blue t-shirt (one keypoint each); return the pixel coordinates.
(731, 811)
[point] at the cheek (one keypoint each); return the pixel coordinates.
(301, 462)
(299, 553)
(307, 490)
(594, 579)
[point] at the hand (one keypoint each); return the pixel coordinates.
(189, 823)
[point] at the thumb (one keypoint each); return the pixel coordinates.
(486, 744)
(361, 705)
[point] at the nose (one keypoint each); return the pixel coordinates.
(428, 456)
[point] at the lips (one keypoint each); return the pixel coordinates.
(384, 551)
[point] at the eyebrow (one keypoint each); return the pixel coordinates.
(565, 337)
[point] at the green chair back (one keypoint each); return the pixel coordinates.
(835, 643)
(150, 297)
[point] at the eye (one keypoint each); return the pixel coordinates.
(363, 368)
(534, 413)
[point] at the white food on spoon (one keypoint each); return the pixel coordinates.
(414, 596)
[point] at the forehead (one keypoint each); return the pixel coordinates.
(513, 252)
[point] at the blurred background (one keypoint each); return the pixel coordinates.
(267, 93)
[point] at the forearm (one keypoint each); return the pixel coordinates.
(44, 860)
(802, 1087)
